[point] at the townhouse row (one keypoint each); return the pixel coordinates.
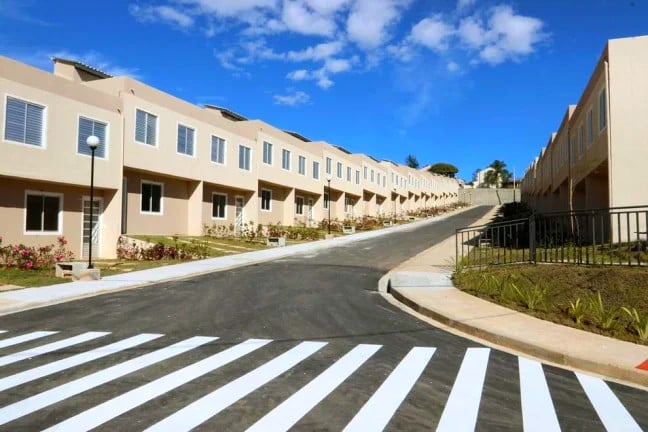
(167, 167)
(599, 155)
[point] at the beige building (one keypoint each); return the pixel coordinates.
(165, 166)
(597, 157)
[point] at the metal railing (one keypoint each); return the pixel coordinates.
(610, 236)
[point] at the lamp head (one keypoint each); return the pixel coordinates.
(92, 142)
(328, 178)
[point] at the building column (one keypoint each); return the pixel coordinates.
(288, 217)
(110, 223)
(194, 208)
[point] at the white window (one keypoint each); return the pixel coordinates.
(302, 165)
(145, 127)
(285, 159)
(299, 205)
(581, 146)
(266, 200)
(328, 166)
(244, 157)
(365, 172)
(590, 128)
(348, 205)
(42, 212)
(185, 140)
(373, 180)
(357, 177)
(88, 127)
(217, 150)
(316, 170)
(602, 111)
(151, 197)
(24, 122)
(326, 200)
(219, 206)
(339, 169)
(384, 180)
(349, 171)
(267, 153)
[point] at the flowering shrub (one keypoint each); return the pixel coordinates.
(34, 258)
(134, 252)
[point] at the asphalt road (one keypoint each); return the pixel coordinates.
(324, 342)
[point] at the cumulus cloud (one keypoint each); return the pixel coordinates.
(318, 52)
(370, 21)
(432, 33)
(162, 13)
(293, 98)
(298, 75)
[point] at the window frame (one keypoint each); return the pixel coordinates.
(301, 165)
(43, 144)
(150, 212)
(269, 191)
(270, 147)
(220, 194)
(193, 144)
(157, 128)
(327, 200)
(211, 148)
(297, 205)
(316, 169)
(602, 97)
(338, 170)
(249, 159)
(285, 152)
(107, 136)
(60, 213)
(329, 166)
(357, 177)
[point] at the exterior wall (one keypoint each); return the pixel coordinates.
(230, 211)
(488, 196)
(279, 209)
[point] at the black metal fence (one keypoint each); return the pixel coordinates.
(611, 236)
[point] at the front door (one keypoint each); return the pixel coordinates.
(239, 202)
(96, 226)
(310, 212)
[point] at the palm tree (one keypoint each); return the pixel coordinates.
(498, 174)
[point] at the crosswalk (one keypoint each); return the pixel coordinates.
(36, 376)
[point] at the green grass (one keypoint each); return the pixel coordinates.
(214, 247)
(29, 278)
(589, 298)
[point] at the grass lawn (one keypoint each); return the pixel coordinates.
(214, 247)
(568, 295)
(28, 278)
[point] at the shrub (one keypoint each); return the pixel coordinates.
(638, 323)
(577, 310)
(530, 297)
(603, 317)
(34, 258)
(159, 251)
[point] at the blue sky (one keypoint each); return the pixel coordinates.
(459, 81)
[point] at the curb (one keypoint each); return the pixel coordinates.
(631, 376)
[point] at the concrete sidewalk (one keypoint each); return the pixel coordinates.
(28, 298)
(424, 284)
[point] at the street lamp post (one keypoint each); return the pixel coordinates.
(328, 180)
(92, 142)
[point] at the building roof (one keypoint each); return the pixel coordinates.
(84, 67)
(298, 136)
(342, 149)
(229, 114)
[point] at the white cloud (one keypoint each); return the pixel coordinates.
(432, 33)
(298, 75)
(370, 21)
(452, 67)
(229, 8)
(293, 98)
(327, 7)
(462, 5)
(317, 52)
(298, 17)
(161, 14)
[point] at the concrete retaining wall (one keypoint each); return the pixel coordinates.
(485, 196)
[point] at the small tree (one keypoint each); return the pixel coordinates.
(444, 169)
(497, 174)
(412, 162)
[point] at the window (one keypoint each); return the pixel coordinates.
(302, 165)
(218, 150)
(88, 127)
(185, 140)
(285, 159)
(24, 122)
(365, 173)
(219, 206)
(348, 205)
(42, 213)
(384, 180)
(357, 177)
(339, 170)
(328, 166)
(581, 147)
(299, 205)
(602, 111)
(244, 157)
(151, 197)
(326, 200)
(373, 179)
(267, 153)
(266, 200)
(316, 170)
(349, 171)
(590, 128)
(145, 127)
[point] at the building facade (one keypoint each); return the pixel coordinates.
(167, 167)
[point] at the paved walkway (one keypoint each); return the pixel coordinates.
(424, 284)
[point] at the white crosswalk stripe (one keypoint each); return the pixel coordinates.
(384, 400)
(295, 407)
(378, 410)
(108, 410)
(25, 338)
(608, 407)
(54, 346)
(460, 413)
(208, 406)
(57, 394)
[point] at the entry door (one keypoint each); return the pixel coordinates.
(96, 226)
(310, 211)
(239, 202)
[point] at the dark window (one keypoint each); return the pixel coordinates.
(151, 197)
(219, 203)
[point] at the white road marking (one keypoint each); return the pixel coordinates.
(106, 411)
(25, 338)
(54, 346)
(75, 360)
(380, 408)
(208, 406)
(612, 413)
(538, 412)
(460, 412)
(284, 416)
(64, 391)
